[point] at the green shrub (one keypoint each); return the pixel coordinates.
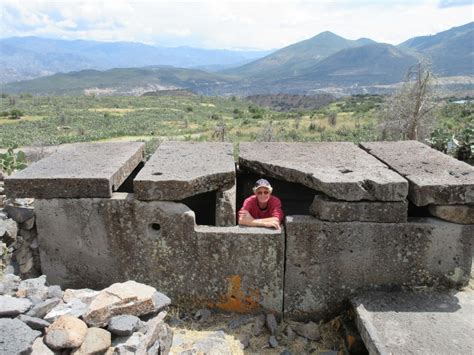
(11, 161)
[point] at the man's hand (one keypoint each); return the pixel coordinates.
(272, 224)
(245, 217)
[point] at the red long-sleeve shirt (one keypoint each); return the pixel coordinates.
(273, 208)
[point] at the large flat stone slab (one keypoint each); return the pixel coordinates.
(434, 177)
(416, 323)
(328, 209)
(329, 262)
(338, 169)
(182, 169)
(96, 242)
(75, 171)
(463, 214)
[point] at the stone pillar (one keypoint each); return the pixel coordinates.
(225, 207)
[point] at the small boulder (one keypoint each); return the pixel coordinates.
(258, 325)
(202, 315)
(273, 342)
(290, 333)
(8, 230)
(12, 306)
(40, 348)
(66, 332)
(124, 298)
(74, 308)
(129, 344)
(20, 214)
(123, 325)
(309, 331)
(33, 322)
(158, 331)
(55, 292)
(245, 341)
(97, 341)
(16, 337)
(85, 295)
(43, 308)
(10, 284)
(271, 323)
(33, 288)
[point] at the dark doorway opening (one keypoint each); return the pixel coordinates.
(204, 207)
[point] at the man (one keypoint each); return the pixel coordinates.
(261, 209)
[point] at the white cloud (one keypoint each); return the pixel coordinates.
(229, 24)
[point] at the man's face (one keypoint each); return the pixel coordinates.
(263, 194)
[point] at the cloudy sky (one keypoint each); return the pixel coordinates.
(255, 24)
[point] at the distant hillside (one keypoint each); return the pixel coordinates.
(121, 81)
(296, 58)
(31, 57)
(451, 52)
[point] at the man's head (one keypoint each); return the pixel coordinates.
(262, 190)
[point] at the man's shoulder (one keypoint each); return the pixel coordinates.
(250, 199)
(274, 200)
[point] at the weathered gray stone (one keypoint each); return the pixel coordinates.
(85, 295)
(40, 348)
(434, 177)
(182, 169)
(33, 288)
(16, 337)
(271, 323)
(12, 306)
(421, 323)
(82, 170)
(327, 262)
(245, 341)
(34, 322)
(28, 224)
(158, 331)
(123, 325)
(97, 341)
(74, 308)
(20, 214)
(128, 345)
(55, 292)
(327, 209)
(43, 308)
(8, 230)
(338, 169)
(124, 245)
(66, 332)
(225, 207)
(273, 342)
(214, 343)
(202, 315)
(10, 284)
(258, 325)
(463, 214)
(124, 298)
(309, 330)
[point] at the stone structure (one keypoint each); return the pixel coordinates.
(172, 223)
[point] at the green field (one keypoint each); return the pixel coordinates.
(51, 120)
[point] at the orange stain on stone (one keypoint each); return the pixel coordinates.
(235, 300)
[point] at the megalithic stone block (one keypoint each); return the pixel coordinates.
(78, 170)
(178, 170)
(225, 207)
(340, 170)
(329, 262)
(463, 214)
(328, 209)
(434, 177)
(96, 242)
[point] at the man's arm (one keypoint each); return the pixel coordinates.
(246, 219)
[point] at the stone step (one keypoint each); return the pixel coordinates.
(182, 169)
(340, 170)
(434, 177)
(77, 171)
(416, 322)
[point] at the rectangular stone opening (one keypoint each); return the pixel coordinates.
(127, 185)
(295, 198)
(417, 211)
(204, 207)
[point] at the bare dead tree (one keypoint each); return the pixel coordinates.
(220, 131)
(408, 112)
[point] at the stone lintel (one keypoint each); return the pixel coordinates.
(77, 171)
(434, 177)
(328, 209)
(178, 170)
(340, 170)
(329, 262)
(416, 322)
(463, 214)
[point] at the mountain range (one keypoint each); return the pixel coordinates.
(324, 62)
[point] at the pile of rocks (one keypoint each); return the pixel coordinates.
(19, 250)
(121, 319)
